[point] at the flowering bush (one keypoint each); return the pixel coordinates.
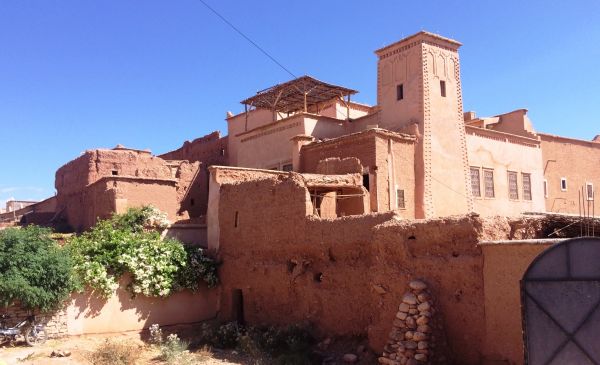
(129, 243)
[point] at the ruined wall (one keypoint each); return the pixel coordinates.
(345, 275)
(209, 150)
(577, 161)
(117, 193)
(101, 182)
(388, 158)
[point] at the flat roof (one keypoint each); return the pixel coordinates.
(295, 95)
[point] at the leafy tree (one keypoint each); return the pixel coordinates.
(34, 270)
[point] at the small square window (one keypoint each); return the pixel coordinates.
(563, 184)
(443, 88)
(115, 172)
(400, 92)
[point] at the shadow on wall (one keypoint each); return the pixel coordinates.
(88, 313)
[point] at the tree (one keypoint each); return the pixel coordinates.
(35, 271)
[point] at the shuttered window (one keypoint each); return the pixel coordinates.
(475, 182)
(488, 180)
(400, 199)
(513, 186)
(526, 186)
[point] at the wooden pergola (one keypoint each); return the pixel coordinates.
(302, 94)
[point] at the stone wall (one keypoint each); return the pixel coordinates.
(55, 321)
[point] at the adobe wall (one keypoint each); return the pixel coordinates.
(504, 152)
(101, 182)
(90, 314)
(210, 150)
(346, 275)
(390, 165)
(576, 160)
(117, 193)
(503, 267)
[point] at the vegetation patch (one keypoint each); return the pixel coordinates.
(132, 243)
(35, 271)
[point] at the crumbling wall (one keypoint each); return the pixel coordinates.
(209, 150)
(344, 275)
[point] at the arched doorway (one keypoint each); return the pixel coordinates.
(560, 294)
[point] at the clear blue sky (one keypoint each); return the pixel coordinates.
(76, 74)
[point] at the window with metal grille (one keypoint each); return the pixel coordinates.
(400, 199)
(526, 186)
(513, 186)
(475, 182)
(589, 187)
(488, 180)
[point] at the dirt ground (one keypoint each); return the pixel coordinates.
(81, 347)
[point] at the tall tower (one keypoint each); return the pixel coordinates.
(419, 91)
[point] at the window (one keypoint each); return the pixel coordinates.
(589, 188)
(475, 182)
(563, 183)
(526, 186)
(513, 186)
(400, 92)
(366, 181)
(222, 152)
(545, 188)
(287, 167)
(115, 172)
(236, 219)
(400, 199)
(443, 88)
(488, 180)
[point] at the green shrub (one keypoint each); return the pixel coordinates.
(34, 270)
(130, 243)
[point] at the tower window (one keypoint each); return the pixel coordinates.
(545, 188)
(443, 88)
(400, 92)
(563, 184)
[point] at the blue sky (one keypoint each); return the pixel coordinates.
(77, 74)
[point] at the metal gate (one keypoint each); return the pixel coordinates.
(560, 294)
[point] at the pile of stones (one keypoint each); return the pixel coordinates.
(411, 341)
